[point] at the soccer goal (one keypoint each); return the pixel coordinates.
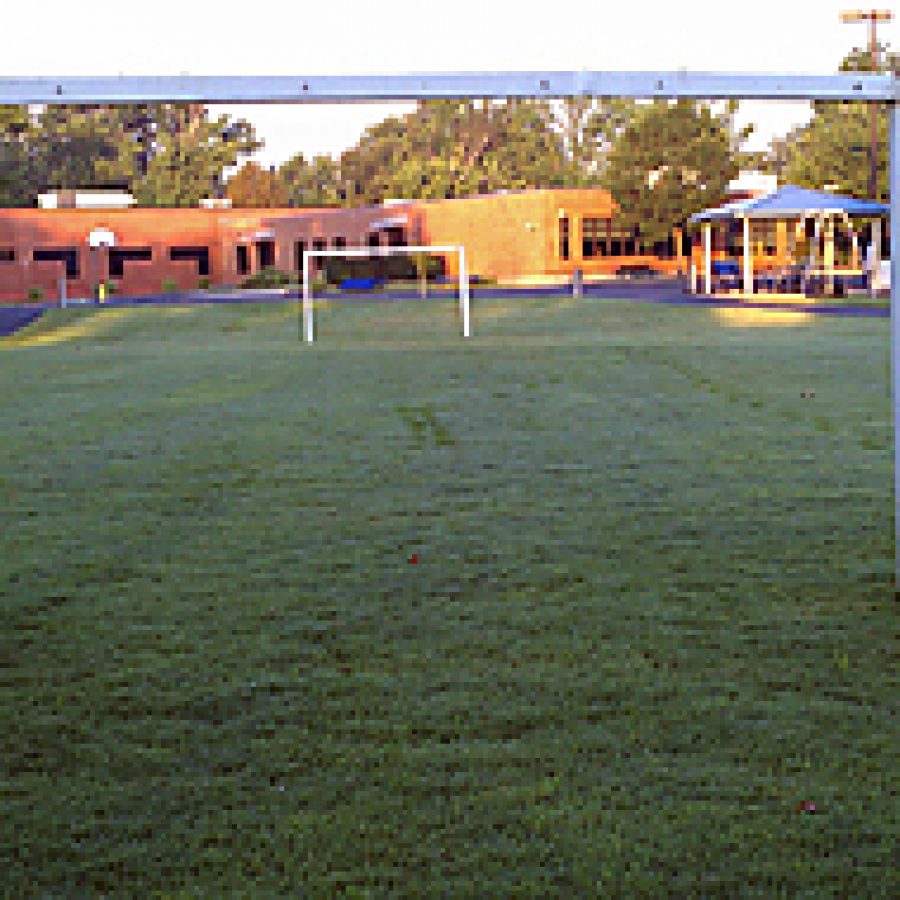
(377, 253)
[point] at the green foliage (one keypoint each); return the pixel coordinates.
(169, 286)
(14, 165)
(452, 148)
(269, 277)
(255, 187)
(313, 183)
(672, 160)
(589, 126)
(203, 284)
(35, 294)
(165, 154)
(401, 267)
(834, 148)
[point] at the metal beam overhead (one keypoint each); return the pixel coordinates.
(366, 88)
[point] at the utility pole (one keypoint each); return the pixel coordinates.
(873, 17)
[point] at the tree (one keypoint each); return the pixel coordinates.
(74, 147)
(253, 186)
(674, 159)
(450, 148)
(834, 147)
(313, 183)
(177, 155)
(14, 124)
(588, 126)
(166, 154)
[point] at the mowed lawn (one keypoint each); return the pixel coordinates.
(595, 602)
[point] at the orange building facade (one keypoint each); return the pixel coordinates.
(535, 236)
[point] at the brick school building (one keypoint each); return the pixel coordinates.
(514, 238)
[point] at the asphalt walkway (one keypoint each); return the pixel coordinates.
(14, 317)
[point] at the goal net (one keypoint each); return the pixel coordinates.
(376, 253)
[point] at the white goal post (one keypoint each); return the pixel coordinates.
(376, 253)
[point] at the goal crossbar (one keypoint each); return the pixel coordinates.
(378, 252)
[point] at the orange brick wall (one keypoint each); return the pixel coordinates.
(511, 237)
(159, 229)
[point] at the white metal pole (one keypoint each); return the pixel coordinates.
(875, 257)
(748, 258)
(464, 290)
(707, 257)
(307, 300)
(895, 321)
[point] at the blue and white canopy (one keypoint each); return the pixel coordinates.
(792, 202)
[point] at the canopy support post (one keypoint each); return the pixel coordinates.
(875, 256)
(707, 258)
(894, 138)
(828, 256)
(748, 258)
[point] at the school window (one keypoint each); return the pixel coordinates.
(374, 240)
(243, 259)
(340, 243)
(7, 254)
(619, 241)
(320, 245)
(265, 254)
(67, 256)
(564, 238)
(299, 250)
(118, 256)
(395, 237)
(593, 238)
(200, 255)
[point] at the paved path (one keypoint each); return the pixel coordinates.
(12, 318)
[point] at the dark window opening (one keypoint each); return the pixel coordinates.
(265, 254)
(69, 257)
(200, 255)
(563, 238)
(395, 237)
(7, 254)
(118, 256)
(664, 249)
(339, 243)
(374, 240)
(299, 250)
(243, 259)
(593, 238)
(319, 245)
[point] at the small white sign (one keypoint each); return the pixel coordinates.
(101, 237)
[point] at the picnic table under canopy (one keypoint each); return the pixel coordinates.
(793, 203)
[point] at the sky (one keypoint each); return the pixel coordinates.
(346, 37)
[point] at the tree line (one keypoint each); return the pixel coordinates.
(661, 160)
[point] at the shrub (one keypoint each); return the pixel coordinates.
(203, 284)
(270, 277)
(112, 288)
(169, 286)
(388, 268)
(35, 294)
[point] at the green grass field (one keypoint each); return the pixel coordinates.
(651, 613)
